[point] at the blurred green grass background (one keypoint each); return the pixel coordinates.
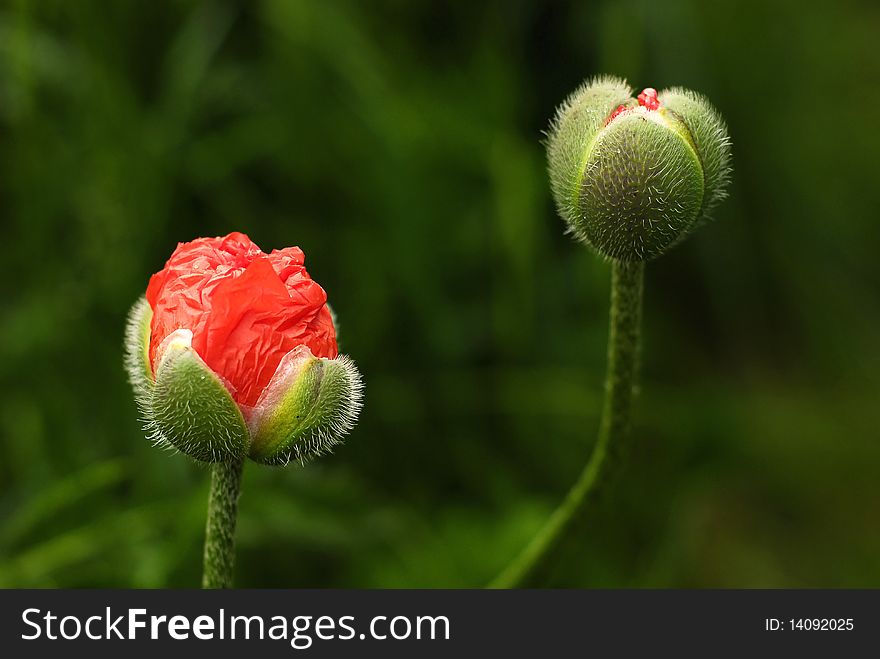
(398, 144)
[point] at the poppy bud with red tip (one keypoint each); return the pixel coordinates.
(634, 176)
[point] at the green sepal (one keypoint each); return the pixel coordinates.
(307, 408)
(642, 188)
(711, 141)
(137, 353)
(191, 409)
(572, 132)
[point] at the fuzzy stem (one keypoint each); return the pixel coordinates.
(620, 382)
(220, 529)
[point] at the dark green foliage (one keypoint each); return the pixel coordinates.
(399, 144)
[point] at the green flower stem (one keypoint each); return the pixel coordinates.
(620, 381)
(220, 530)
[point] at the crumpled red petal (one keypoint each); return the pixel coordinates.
(246, 309)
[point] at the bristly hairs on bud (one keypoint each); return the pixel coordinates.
(140, 373)
(136, 360)
(192, 408)
(576, 123)
(340, 420)
(709, 133)
(346, 389)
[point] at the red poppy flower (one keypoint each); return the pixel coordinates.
(246, 309)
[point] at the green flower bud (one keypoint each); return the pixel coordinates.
(632, 177)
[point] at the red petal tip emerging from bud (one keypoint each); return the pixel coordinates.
(648, 99)
(620, 109)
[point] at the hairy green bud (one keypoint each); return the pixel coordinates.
(633, 176)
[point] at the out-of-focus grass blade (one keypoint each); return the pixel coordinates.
(189, 60)
(116, 533)
(63, 495)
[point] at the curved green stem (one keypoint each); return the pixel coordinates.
(220, 529)
(620, 381)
